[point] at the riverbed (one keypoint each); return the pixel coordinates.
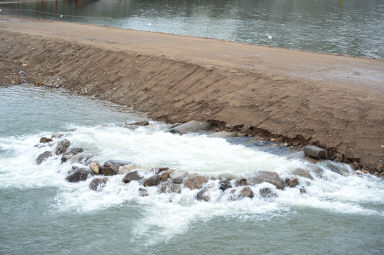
(42, 213)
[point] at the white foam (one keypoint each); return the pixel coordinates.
(154, 147)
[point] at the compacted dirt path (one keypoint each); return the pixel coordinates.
(336, 102)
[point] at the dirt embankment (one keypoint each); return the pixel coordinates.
(253, 95)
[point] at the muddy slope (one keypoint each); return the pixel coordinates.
(348, 120)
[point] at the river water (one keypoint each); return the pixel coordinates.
(347, 27)
(41, 213)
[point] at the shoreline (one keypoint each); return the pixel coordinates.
(335, 102)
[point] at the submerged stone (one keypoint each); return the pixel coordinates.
(43, 156)
(98, 184)
(190, 127)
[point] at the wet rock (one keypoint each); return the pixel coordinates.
(81, 157)
(267, 193)
(152, 181)
(224, 185)
(45, 140)
(164, 176)
(202, 194)
(291, 182)
(195, 182)
(43, 156)
(76, 150)
(109, 170)
(338, 168)
(143, 192)
(303, 190)
(315, 152)
(70, 154)
(190, 127)
(241, 182)
(159, 170)
(126, 168)
(178, 176)
(270, 177)
(140, 123)
(302, 173)
(98, 184)
(62, 146)
(94, 168)
(222, 134)
(132, 176)
(246, 192)
(169, 187)
(81, 174)
(57, 135)
(117, 162)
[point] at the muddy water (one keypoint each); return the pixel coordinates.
(41, 213)
(348, 27)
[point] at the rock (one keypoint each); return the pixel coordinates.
(159, 170)
(43, 156)
(303, 190)
(108, 169)
(70, 154)
(195, 182)
(132, 176)
(45, 140)
(65, 157)
(178, 176)
(241, 182)
(302, 173)
(98, 184)
(202, 194)
(140, 123)
(57, 135)
(168, 187)
(190, 127)
(224, 185)
(246, 192)
(270, 177)
(94, 168)
(267, 193)
(62, 146)
(76, 150)
(143, 192)
(81, 157)
(117, 162)
(164, 176)
(152, 181)
(222, 134)
(291, 182)
(338, 168)
(81, 174)
(315, 152)
(126, 168)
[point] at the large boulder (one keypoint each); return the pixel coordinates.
(315, 152)
(43, 156)
(224, 185)
(81, 174)
(152, 181)
(178, 176)
(81, 158)
(202, 194)
(62, 146)
(190, 127)
(109, 169)
(132, 176)
(270, 177)
(195, 182)
(98, 184)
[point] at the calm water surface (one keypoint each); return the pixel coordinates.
(41, 213)
(348, 27)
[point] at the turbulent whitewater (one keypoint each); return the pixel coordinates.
(42, 213)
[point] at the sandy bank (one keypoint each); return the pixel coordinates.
(333, 101)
